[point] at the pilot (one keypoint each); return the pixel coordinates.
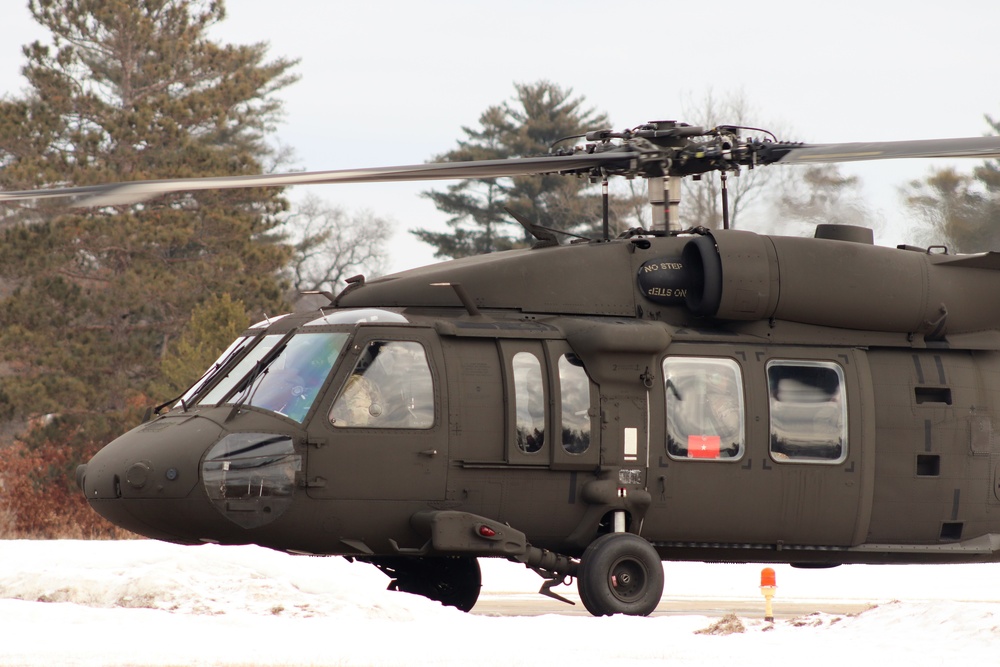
(359, 404)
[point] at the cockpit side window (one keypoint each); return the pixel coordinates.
(705, 414)
(390, 387)
(808, 411)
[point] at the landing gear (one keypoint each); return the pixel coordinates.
(453, 581)
(620, 573)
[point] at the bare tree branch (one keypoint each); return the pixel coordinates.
(330, 245)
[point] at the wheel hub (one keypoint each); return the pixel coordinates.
(628, 579)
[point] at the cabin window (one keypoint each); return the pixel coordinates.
(574, 390)
(529, 402)
(808, 411)
(390, 387)
(704, 408)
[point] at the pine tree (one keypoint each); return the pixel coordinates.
(988, 175)
(91, 300)
(989, 172)
(540, 114)
(953, 209)
(960, 209)
(214, 324)
(821, 194)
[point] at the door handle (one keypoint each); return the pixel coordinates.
(429, 452)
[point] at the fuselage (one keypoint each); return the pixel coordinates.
(742, 398)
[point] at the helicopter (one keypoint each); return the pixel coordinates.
(591, 408)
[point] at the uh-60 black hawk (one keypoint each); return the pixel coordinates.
(590, 408)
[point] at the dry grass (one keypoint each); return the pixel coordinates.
(39, 498)
(727, 625)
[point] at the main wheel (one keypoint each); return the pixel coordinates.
(452, 581)
(620, 573)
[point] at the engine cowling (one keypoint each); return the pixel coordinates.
(739, 275)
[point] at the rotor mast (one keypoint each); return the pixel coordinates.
(664, 201)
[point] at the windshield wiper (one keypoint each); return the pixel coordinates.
(205, 380)
(246, 388)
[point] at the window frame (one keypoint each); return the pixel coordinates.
(561, 459)
(741, 408)
(509, 349)
(841, 404)
(561, 390)
(358, 348)
(528, 403)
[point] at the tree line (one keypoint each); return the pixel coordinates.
(106, 311)
(958, 209)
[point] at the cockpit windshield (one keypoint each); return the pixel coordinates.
(229, 381)
(290, 383)
(234, 350)
(282, 374)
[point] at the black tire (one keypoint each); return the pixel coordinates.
(452, 581)
(620, 573)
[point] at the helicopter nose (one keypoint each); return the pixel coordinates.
(155, 460)
(141, 480)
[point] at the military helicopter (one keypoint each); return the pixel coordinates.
(591, 408)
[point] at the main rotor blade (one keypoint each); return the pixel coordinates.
(975, 147)
(629, 158)
(136, 191)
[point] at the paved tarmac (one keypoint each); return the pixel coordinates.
(539, 605)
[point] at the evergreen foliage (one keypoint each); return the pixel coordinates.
(92, 300)
(960, 209)
(539, 115)
(821, 194)
(953, 208)
(214, 324)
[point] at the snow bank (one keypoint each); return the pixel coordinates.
(148, 603)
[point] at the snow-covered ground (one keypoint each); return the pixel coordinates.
(148, 603)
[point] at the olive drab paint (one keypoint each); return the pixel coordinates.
(591, 408)
(772, 430)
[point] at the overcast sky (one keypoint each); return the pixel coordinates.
(393, 82)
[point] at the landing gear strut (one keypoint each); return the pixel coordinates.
(620, 573)
(454, 581)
